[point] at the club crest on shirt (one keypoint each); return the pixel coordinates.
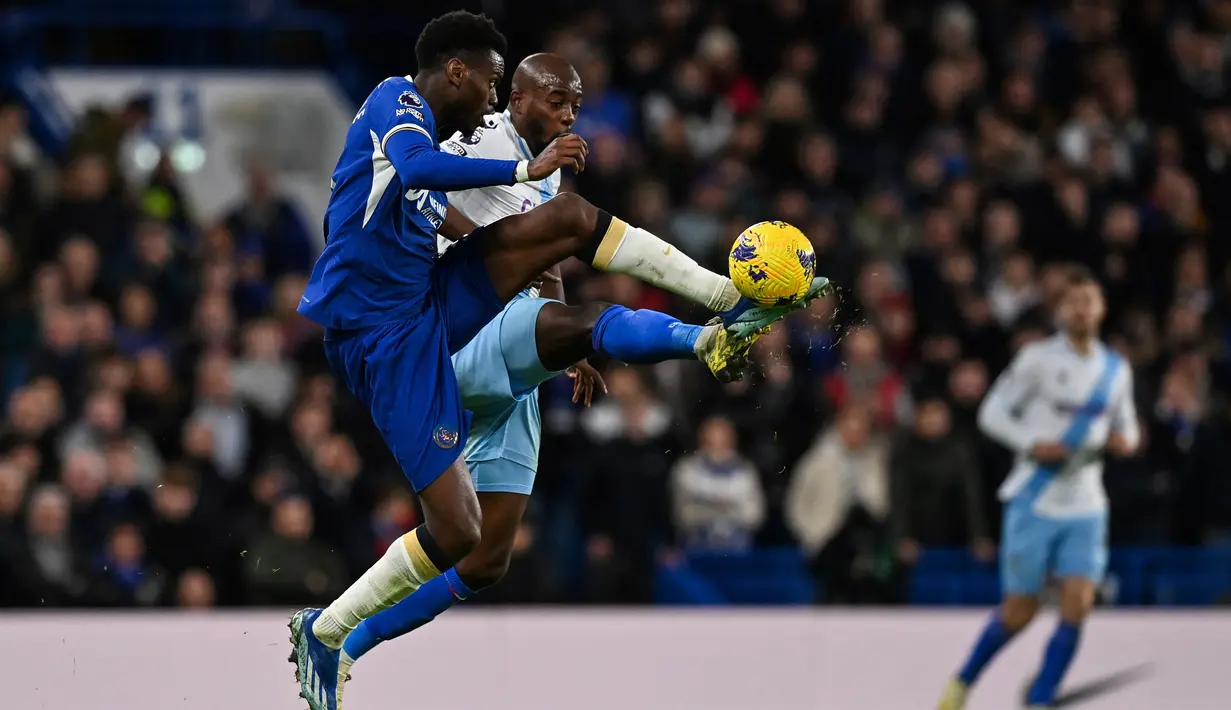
(445, 438)
(410, 98)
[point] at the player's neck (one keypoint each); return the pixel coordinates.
(524, 133)
(1083, 343)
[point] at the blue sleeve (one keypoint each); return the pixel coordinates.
(405, 129)
(422, 166)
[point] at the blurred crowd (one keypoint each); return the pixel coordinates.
(172, 435)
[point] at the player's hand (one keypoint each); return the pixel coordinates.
(546, 277)
(1050, 452)
(566, 151)
(585, 380)
(1117, 445)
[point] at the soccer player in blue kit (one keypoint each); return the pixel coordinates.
(394, 314)
(531, 341)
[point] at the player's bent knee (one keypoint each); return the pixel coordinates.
(571, 321)
(1076, 599)
(459, 540)
(484, 570)
(459, 536)
(1018, 611)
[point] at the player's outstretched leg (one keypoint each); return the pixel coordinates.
(450, 531)
(520, 247)
(639, 337)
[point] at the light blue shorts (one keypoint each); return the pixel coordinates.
(1035, 547)
(499, 373)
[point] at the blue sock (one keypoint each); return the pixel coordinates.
(1056, 661)
(643, 337)
(994, 637)
(428, 602)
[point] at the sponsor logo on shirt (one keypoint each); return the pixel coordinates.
(413, 112)
(433, 210)
(454, 148)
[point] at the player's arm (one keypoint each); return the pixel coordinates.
(999, 415)
(456, 225)
(409, 147)
(421, 166)
(1125, 428)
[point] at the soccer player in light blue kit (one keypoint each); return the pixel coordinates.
(1060, 405)
(394, 313)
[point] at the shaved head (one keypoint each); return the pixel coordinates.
(544, 70)
(545, 100)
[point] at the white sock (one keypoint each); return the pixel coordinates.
(395, 576)
(631, 250)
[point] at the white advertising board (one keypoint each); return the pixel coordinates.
(610, 660)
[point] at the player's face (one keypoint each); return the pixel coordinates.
(478, 90)
(552, 110)
(1083, 308)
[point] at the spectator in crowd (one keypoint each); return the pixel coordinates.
(838, 507)
(868, 381)
(269, 234)
(935, 475)
(127, 578)
(624, 500)
(48, 568)
(716, 493)
(218, 430)
(286, 564)
(195, 590)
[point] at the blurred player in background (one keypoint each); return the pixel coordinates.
(531, 341)
(1060, 405)
(394, 313)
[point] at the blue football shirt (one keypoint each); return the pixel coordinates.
(386, 202)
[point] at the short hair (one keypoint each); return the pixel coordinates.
(456, 34)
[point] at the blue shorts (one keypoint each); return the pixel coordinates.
(402, 372)
(499, 373)
(1034, 547)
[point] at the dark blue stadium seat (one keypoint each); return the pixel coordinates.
(1191, 588)
(759, 577)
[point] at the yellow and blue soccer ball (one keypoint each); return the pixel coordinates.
(772, 264)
